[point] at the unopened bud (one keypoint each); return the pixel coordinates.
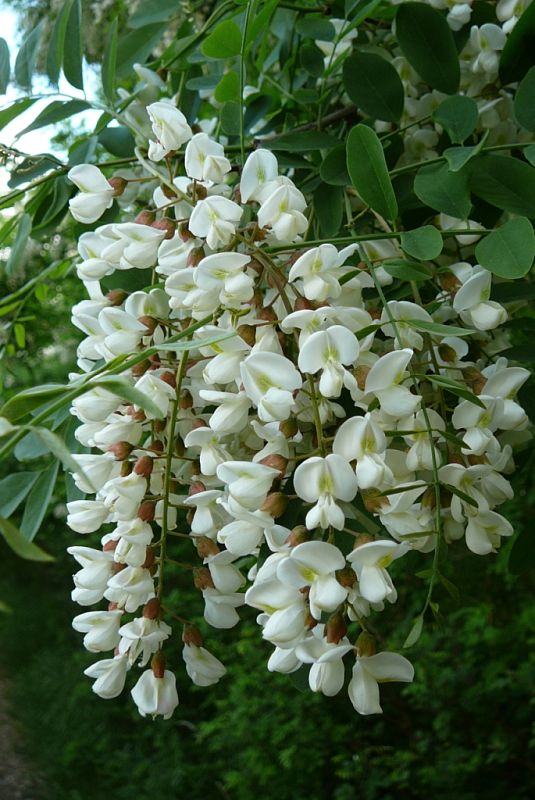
(158, 664)
(145, 511)
(151, 609)
(167, 225)
(202, 578)
(179, 448)
(110, 546)
(361, 373)
(366, 645)
(119, 185)
(373, 500)
(155, 446)
(121, 450)
(196, 488)
(298, 535)
(149, 558)
(144, 466)
(185, 400)
(145, 217)
(336, 628)
(169, 378)
(117, 296)
(140, 369)
(206, 547)
(191, 635)
(150, 323)
(275, 504)
(184, 232)
(247, 333)
(346, 577)
(289, 427)
(447, 353)
(276, 461)
(267, 315)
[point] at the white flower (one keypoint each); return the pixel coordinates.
(248, 483)
(159, 392)
(224, 272)
(130, 588)
(328, 351)
(486, 43)
(96, 194)
(269, 381)
(362, 439)
(220, 609)
(484, 532)
(154, 696)
(320, 269)
(101, 629)
(259, 170)
(403, 313)
(327, 671)
(203, 668)
(204, 159)
(369, 671)
(384, 381)
(122, 496)
(141, 638)
(323, 481)
(314, 564)
(282, 212)
(215, 220)
(86, 516)
(370, 562)
(170, 128)
(90, 582)
(473, 304)
(110, 675)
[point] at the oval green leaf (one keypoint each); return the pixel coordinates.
(443, 190)
(504, 182)
(368, 171)
(427, 43)
(423, 243)
(509, 250)
(374, 86)
(21, 546)
(524, 103)
(224, 41)
(458, 116)
(518, 55)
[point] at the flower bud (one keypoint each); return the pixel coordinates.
(110, 546)
(298, 535)
(155, 446)
(447, 353)
(191, 635)
(247, 333)
(365, 644)
(121, 450)
(140, 369)
(145, 511)
(276, 461)
(150, 323)
(346, 577)
(185, 233)
(179, 446)
(336, 628)
(196, 488)
(202, 578)
(289, 428)
(373, 500)
(149, 558)
(169, 378)
(157, 664)
(117, 296)
(145, 217)
(144, 466)
(151, 609)
(206, 547)
(167, 225)
(275, 504)
(361, 373)
(119, 185)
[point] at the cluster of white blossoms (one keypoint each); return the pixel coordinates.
(285, 440)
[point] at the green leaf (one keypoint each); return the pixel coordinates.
(302, 142)
(374, 86)
(437, 328)
(529, 153)
(137, 45)
(230, 118)
(21, 546)
(72, 53)
(118, 141)
(54, 444)
(13, 490)
(443, 190)
(407, 270)
(5, 66)
(518, 55)
(423, 243)
(19, 245)
(333, 168)
(368, 171)
(29, 399)
(55, 112)
(509, 250)
(311, 59)
(124, 389)
(228, 88)
(150, 11)
(13, 111)
(415, 631)
(109, 65)
(20, 335)
(329, 207)
(427, 43)
(223, 42)
(458, 116)
(38, 501)
(458, 157)
(461, 495)
(27, 56)
(57, 43)
(456, 388)
(314, 26)
(524, 102)
(450, 587)
(504, 182)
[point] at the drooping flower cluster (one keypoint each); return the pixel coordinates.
(257, 422)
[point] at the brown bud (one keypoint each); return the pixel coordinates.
(179, 448)
(145, 217)
(117, 296)
(276, 461)
(185, 400)
(247, 333)
(289, 427)
(267, 315)
(195, 256)
(202, 578)
(336, 628)
(149, 558)
(361, 373)
(366, 644)
(373, 500)
(275, 504)
(310, 621)
(157, 664)
(196, 488)
(156, 446)
(201, 192)
(110, 546)
(205, 546)
(169, 378)
(168, 192)
(119, 185)
(184, 232)
(121, 450)
(447, 353)
(137, 415)
(115, 568)
(151, 609)
(140, 369)
(346, 577)
(191, 635)
(143, 466)
(150, 323)
(167, 225)
(475, 379)
(449, 282)
(145, 511)
(428, 498)
(298, 535)
(375, 313)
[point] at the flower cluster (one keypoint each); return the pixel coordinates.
(284, 433)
